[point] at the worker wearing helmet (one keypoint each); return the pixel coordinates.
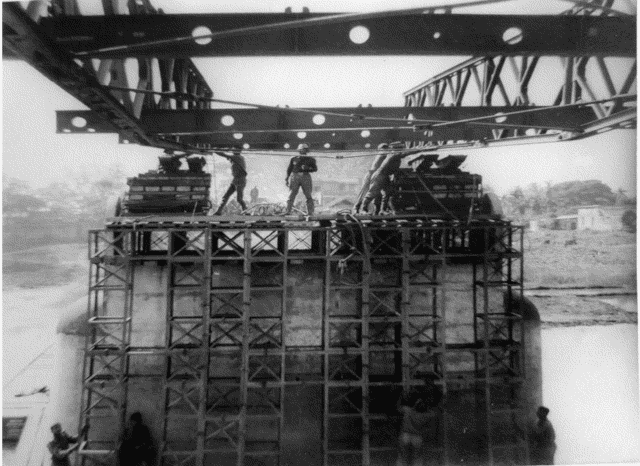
(381, 179)
(238, 182)
(299, 176)
(367, 179)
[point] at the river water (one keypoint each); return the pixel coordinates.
(590, 384)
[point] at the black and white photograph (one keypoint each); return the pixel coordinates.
(314, 232)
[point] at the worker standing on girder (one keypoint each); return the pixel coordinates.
(299, 176)
(381, 179)
(367, 179)
(239, 181)
(542, 439)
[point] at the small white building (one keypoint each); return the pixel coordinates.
(601, 218)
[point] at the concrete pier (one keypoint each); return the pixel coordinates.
(283, 356)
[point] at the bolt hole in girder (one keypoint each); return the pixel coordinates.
(301, 135)
(227, 120)
(78, 122)
(359, 34)
(91, 130)
(237, 135)
(66, 130)
(327, 145)
(512, 36)
(500, 117)
(246, 145)
(287, 145)
(531, 132)
(319, 119)
(437, 35)
(367, 145)
(366, 133)
(201, 31)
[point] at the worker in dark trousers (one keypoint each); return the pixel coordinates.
(137, 447)
(239, 181)
(299, 176)
(61, 446)
(367, 179)
(381, 179)
(415, 420)
(542, 439)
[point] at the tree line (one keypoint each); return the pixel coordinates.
(61, 212)
(552, 200)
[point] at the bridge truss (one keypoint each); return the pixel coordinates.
(584, 59)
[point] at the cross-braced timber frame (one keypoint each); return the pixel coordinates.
(228, 362)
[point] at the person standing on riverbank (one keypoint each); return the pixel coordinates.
(542, 439)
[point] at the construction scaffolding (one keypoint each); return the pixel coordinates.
(240, 330)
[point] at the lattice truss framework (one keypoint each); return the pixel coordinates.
(231, 350)
(508, 80)
(154, 95)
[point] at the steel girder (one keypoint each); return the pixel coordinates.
(485, 81)
(410, 34)
(25, 39)
(281, 129)
(180, 74)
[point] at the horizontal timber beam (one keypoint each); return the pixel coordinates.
(410, 34)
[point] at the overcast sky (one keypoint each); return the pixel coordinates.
(32, 151)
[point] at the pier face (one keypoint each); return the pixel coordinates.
(284, 344)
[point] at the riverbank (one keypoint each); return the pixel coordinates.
(39, 283)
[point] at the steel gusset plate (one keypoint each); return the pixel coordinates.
(410, 34)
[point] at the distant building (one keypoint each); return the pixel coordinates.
(565, 222)
(329, 191)
(601, 218)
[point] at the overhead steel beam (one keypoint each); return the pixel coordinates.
(573, 85)
(274, 128)
(24, 38)
(194, 122)
(412, 34)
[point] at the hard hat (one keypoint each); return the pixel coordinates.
(303, 146)
(384, 145)
(397, 145)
